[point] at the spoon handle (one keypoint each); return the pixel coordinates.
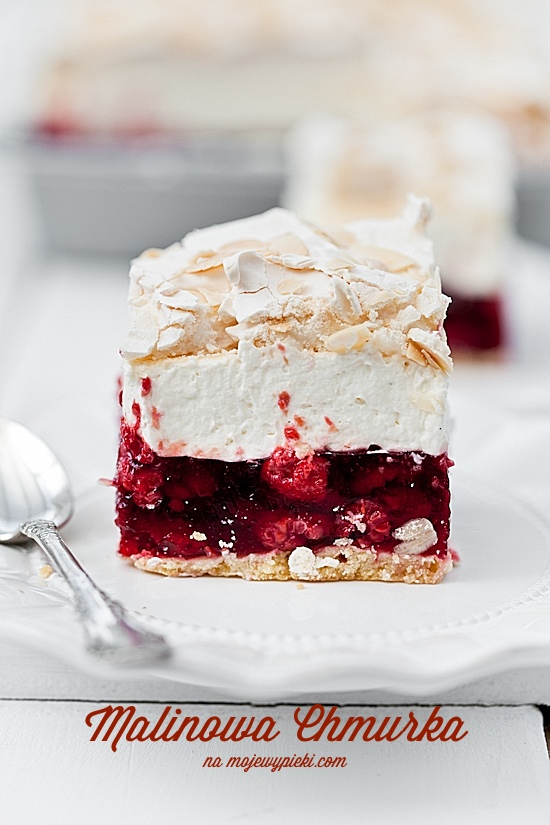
(111, 632)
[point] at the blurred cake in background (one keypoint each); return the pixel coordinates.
(134, 66)
(158, 117)
(341, 170)
(488, 56)
(218, 83)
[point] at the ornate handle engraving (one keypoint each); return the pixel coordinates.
(111, 632)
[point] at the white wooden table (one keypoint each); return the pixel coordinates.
(51, 772)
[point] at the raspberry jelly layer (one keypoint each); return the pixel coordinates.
(474, 323)
(191, 507)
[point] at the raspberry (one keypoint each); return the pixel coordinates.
(300, 479)
(145, 486)
(274, 531)
(281, 530)
(283, 401)
(312, 526)
(133, 446)
(364, 517)
(138, 469)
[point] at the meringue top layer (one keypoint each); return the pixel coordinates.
(274, 279)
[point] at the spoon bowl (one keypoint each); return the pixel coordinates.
(36, 499)
(33, 483)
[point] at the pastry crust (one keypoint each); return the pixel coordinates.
(352, 564)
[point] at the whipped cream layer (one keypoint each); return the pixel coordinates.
(242, 404)
(268, 331)
(342, 169)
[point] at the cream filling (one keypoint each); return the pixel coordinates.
(242, 404)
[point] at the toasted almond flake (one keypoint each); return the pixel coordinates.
(437, 360)
(390, 261)
(211, 296)
(290, 285)
(433, 348)
(414, 353)
(210, 259)
(338, 236)
(179, 299)
(168, 290)
(352, 337)
(290, 243)
(204, 262)
(430, 359)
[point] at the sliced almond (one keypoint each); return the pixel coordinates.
(209, 259)
(212, 297)
(352, 337)
(290, 243)
(390, 261)
(414, 353)
(168, 290)
(437, 360)
(434, 349)
(204, 264)
(288, 286)
(338, 236)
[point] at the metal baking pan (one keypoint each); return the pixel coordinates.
(533, 205)
(121, 197)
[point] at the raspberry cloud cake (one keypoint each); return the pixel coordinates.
(283, 404)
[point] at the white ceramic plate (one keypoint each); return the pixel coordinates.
(270, 640)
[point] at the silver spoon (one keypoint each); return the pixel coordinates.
(35, 499)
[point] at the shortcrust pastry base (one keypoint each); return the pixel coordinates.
(359, 565)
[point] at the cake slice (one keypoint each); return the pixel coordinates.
(283, 404)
